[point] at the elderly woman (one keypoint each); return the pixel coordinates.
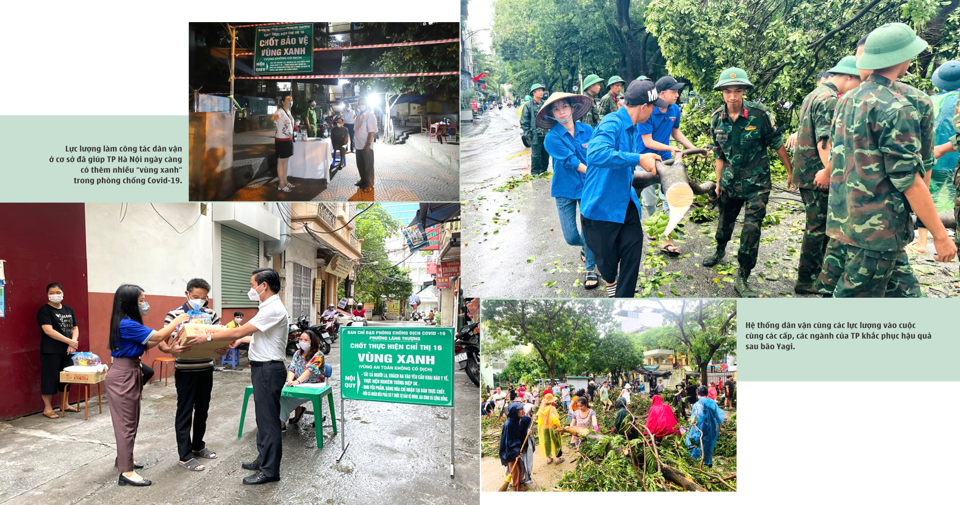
(512, 438)
(567, 142)
(548, 420)
(526, 454)
(705, 419)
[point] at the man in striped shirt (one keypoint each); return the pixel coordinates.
(194, 379)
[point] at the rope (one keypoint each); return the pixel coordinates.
(372, 46)
(346, 76)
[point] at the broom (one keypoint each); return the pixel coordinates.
(506, 481)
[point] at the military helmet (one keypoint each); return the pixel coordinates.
(644, 78)
(847, 65)
(889, 45)
(527, 98)
(591, 80)
(537, 86)
(733, 76)
(615, 79)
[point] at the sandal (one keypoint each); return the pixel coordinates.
(71, 408)
(583, 256)
(611, 291)
(594, 278)
(285, 189)
(560, 460)
(670, 250)
(193, 465)
(51, 415)
(205, 453)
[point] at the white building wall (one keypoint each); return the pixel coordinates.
(131, 243)
(305, 254)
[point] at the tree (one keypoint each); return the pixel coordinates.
(708, 328)
(616, 354)
(521, 365)
(377, 276)
(554, 328)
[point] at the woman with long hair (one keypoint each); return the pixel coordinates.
(305, 368)
(284, 141)
(129, 338)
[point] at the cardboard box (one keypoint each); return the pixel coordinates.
(83, 377)
(204, 349)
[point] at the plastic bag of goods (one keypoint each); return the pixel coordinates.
(85, 359)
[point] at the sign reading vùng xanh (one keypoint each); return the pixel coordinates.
(283, 49)
(397, 364)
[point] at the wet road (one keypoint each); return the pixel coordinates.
(513, 246)
(397, 453)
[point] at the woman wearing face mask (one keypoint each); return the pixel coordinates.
(306, 368)
(59, 337)
(284, 141)
(566, 142)
(129, 338)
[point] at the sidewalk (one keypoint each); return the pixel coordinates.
(397, 453)
(402, 174)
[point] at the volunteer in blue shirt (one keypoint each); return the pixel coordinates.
(609, 207)
(655, 135)
(566, 142)
(129, 338)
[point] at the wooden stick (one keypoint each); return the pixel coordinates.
(509, 475)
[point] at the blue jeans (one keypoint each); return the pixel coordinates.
(648, 199)
(567, 208)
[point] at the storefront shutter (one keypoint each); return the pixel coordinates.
(239, 257)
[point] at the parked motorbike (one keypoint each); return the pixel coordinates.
(303, 326)
(466, 348)
(331, 327)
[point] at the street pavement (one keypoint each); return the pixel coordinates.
(397, 453)
(514, 248)
(403, 174)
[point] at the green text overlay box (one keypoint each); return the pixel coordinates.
(397, 365)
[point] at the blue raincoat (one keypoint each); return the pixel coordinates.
(513, 433)
(706, 428)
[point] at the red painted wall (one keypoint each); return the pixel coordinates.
(40, 243)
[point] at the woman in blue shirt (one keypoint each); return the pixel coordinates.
(129, 338)
(566, 142)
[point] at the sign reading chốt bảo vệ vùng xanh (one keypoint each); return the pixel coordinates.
(397, 365)
(283, 49)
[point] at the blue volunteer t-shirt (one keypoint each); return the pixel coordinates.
(133, 336)
(612, 156)
(568, 153)
(661, 126)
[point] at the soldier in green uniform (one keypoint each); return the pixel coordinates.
(811, 169)
(608, 104)
(591, 88)
(312, 118)
(528, 123)
(876, 177)
(742, 133)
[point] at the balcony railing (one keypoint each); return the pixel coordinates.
(354, 241)
(327, 212)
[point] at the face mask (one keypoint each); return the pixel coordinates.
(195, 304)
(304, 345)
(238, 320)
(363, 108)
(144, 308)
(55, 298)
(253, 295)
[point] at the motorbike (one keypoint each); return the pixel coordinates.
(415, 316)
(330, 326)
(357, 321)
(303, 326)
(466, 348)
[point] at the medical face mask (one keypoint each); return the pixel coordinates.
(304, 345)
(196, 304)
(144, 308)
(573, 112)
(238, 320)
(253, 295)
(363, 108)
(55, 298)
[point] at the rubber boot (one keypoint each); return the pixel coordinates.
(806, 288)
(742, 285)
(715, 258)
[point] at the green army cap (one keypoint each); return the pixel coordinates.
(733, 76)
(644, 78)
(615, 79)
(847, 65)
(591, 80)
(889, 45)
(536, 86)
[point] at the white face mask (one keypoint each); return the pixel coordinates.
(195, 303)
(144, 308)
(238, 320)
(253, 295)
(55, 299)
(304, 345)
(363, 108)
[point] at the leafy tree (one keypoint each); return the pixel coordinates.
(708, 328)
(616, 354)
(377, 276)
(521, 365)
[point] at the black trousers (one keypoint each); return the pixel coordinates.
(268, 378)
(349, 128)
(147, 373)
(616, 247)
(365, 167)
(193, 402)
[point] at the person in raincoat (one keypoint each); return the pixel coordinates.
(621, 425)
(526, 454)
(661, 421)
(547, 421)
(705, 419)
(512, 438)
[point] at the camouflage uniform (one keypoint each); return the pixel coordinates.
(956, 173)
(528, 123)
(593, 117)
(816, 117)
(875, 157)
(608, 105)
(745, 178)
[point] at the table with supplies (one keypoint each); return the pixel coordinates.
(85, 378)
(311, 159)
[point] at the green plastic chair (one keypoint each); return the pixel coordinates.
(315, 395)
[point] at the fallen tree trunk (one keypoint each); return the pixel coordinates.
(675, 183)
(679, 479)
(948, 220)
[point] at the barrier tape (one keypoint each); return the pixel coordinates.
(374, 46)
(271, 24)
(347, 76)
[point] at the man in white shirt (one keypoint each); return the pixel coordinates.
(364, 130)
(349, 118)
(266, 333)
